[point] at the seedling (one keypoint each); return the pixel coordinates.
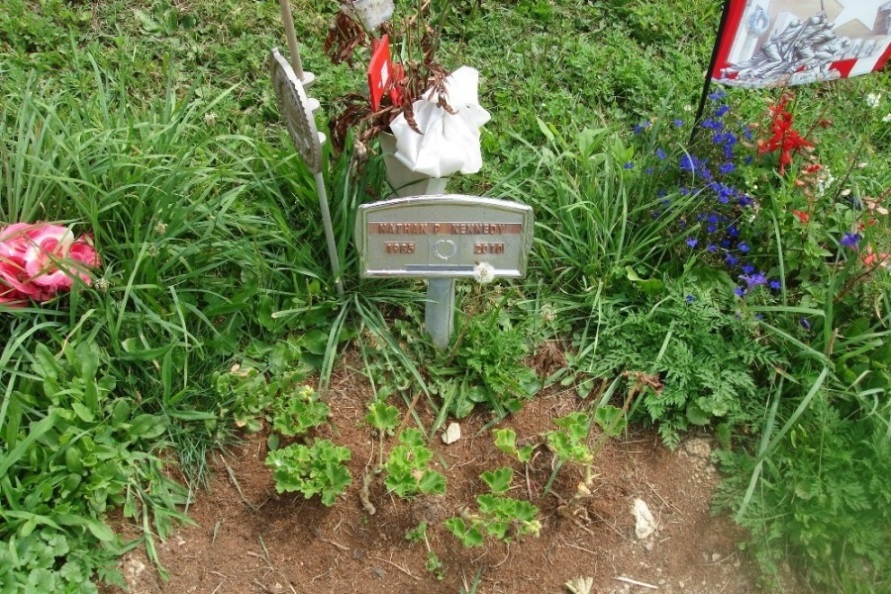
(407, 471)
(384, 418)
(433, 564)
(298, 412)
(318, 470)
(501, 517)
(570, 444)
(506, 441)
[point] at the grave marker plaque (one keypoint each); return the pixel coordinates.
(443, 237)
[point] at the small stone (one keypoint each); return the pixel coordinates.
(451, 434)
(644, 522)
(698, 448)
(716, 557)
(649, 546)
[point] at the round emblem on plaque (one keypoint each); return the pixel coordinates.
(445, 249)
(297, 110)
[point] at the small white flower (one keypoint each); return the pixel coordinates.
(210, 118)
(873, 99)
(548, 313)
(483, 273)
(887, 118)
(688, 108)
(161, 228)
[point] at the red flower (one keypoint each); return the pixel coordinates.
(802, 216)
(785, 138)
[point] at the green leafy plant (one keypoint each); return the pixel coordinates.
(75, 448)
(490, 352)
(315, 470)
(48, 560)
(384, 418)
(297, 412)
(247, 395)
(433, 563)
(506, 441)
(498, 516)
(407, 467)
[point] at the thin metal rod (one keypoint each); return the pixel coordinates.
(288, 21)
(329, 231)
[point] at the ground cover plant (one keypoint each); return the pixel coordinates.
(737, 281)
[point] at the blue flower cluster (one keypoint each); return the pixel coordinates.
(716, 231)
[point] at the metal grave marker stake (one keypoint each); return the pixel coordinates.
(298, 111)
(443, 238)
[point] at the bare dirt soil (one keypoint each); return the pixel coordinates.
(248, 539)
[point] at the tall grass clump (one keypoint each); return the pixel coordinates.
(197, 237)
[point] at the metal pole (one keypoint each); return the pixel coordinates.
(288, 21)
(439, 315)
(329, 230)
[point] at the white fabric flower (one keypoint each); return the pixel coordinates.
(449, 143)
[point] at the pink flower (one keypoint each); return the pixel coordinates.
(38, 260)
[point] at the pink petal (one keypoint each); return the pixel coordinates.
(83, 251)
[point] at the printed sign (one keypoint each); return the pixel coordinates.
(443, 236)
(772, 43)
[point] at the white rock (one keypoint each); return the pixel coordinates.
(644, 523)
(451, 434)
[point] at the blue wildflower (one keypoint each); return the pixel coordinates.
(850, 240)
(689, 298)
(726, 168)
(747, 268)
(629, 165)
(719, 113)
(641, 127)
(731, 260)
(692, 241)
(660, 154)
(739, 291)
(678, 123)
(776, 285)
(712, 248)
(753, 280)
(743, 247)
(717, 95)
(804, 323)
